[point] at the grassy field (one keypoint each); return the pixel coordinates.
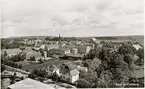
(45, 64)
(139, 73)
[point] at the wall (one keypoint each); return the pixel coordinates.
(74, 78)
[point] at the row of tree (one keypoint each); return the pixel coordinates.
(8, 61)
(8, 44)
(115, 67)
(16, 58)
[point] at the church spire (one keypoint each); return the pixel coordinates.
(59, 39)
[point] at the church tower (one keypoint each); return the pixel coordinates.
(59, 39)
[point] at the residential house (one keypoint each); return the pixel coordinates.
(52, 42)
(37, 47)
(71, 56)
(59, 51)
(42, 46)
(68, 74)
(30, 42)
(95, 40)
(52, 46)
(92, 45)
(78, 43)
(52, 69)
(74, 50)
(83, 49)
(137, 46)
(82, 69)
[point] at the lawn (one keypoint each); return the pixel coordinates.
(45, 64)
(139, 73)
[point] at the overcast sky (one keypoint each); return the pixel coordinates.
(72, 17)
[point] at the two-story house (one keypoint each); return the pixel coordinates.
(68, 74)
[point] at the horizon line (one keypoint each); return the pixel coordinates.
(70, 36)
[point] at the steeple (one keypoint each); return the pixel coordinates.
(59, 39)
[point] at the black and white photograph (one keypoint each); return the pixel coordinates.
(71, 44)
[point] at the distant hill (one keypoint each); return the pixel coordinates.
(136, 37)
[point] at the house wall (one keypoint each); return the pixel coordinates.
(57, 71)
(74, 78)
(74, 51)
(88, 49)
(66, 51)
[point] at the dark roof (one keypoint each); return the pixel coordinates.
(74, 55)
(64, 69)
(52, 67)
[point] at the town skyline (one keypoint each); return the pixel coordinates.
(73, 36)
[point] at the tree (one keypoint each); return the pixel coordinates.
(40, 61)
(94, 53)
(3, 68)
(38, 73)
(140, 54)
(20, 66)
(22, 48)
(90, 76)
(107, 45)
(22, 56)
(127, 48)
(22, 78)
(32, 58)
(128, 59)
(32, 76)
(5, 53)
(82, 83)
(15, 74)
(42, 51)
(104, 79)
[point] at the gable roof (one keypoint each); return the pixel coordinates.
(51, 67)
(69, 69)
(51, 46)
(74, 72)
(74, 55)
(30, 84)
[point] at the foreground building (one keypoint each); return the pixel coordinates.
(30, 84)
(52, 69)
(69, 74)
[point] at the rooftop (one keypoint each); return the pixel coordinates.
(74, 55)
(30, 84)
(74, 72)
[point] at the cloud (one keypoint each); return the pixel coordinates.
(70, 18)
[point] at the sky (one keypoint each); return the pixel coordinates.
(69, 18)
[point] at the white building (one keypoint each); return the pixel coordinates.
(82, 69)
(69, 74)
(83, 49)
(74, 50)
(137, 46)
